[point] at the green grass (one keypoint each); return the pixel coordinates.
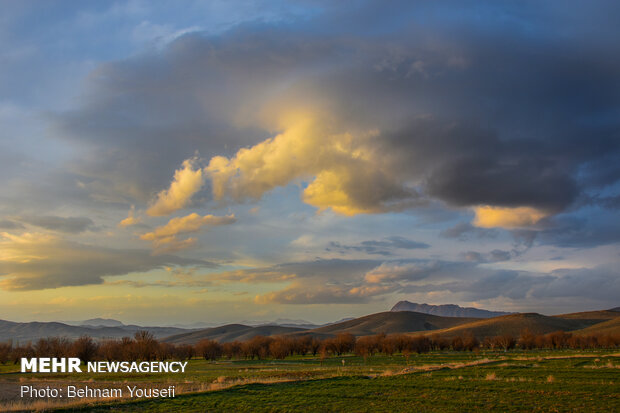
(511, 384)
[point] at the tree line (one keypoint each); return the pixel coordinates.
(143, 346)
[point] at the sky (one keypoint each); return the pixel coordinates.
(217, 161)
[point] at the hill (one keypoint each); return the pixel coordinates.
(22, 332)
(386, 322)
(513, 324)
(390, 323)
(230, 332)
(446, 310)
(591, 315)
(606, 327)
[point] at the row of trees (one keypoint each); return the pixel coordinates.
(143, 346)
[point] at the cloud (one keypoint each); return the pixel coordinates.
(252, 276)
(299, 294)
(71, 225)
(33, 261)
(334, 280)
(600, 282)
(383, 247)
(464, 231)
(181, 277)
(493, 256)
(187, 182)
(490, 217)
(391, 272)
(366, 121)
(7, 224)
(579, 230)
(131, 219)
(343, 174)
(325, 270)
(165, 238)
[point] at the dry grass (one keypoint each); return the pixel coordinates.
(609, 365)
(451, 366)
(491, 376)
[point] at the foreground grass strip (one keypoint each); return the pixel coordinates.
(512, 386)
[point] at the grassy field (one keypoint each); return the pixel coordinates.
(445, 381)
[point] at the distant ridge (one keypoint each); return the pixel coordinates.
(24, 332)
(447, 310)
(101, 322)
(230, 332)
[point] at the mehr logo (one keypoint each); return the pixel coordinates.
(72, 365)
(51, 365)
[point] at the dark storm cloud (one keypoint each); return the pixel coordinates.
(485, 103)
(382, 247)
(72, 225)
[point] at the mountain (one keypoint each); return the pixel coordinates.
(230, 332)
(446, 310)
(94, 322)
(22, 332)
(390, 323)
(514, 324)
(283, 322)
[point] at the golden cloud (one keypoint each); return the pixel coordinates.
(345, 173)
(504, 217)
(165, 239)
(131, 219)
(299, 293)
(187, 181)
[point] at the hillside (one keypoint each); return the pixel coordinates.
(230, 332)
(513, 324)
(21, 332)
(390, 323)
(591, 315)
(446, 310)
(606, 327)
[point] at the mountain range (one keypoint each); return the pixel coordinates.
(409, 322)
(22, 332)
(396, 321)
(446, 310)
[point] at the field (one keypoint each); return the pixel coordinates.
(564, 380)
